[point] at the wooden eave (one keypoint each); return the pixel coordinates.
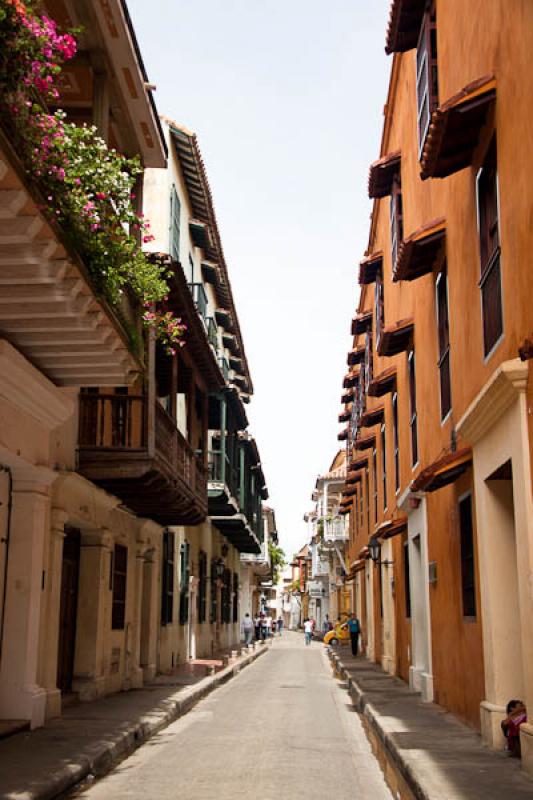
(209, 272)
(383, 383)
(396, 338)
(345, 415)
(393, 527)
(455, 128)
(224, 318)
(444, 471)
(405, 21)
(365, 442)
(343, 435)
(421, 251)
(369, 268)
(353, 478)
(350, 379)
(359, 463)
(361, 323)
(195, 175)
(381, 175)
(347, 396)
(373, 417)
(356, 356)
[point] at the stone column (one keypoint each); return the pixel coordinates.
(95, 566)
(136, 678)
(149, 616)
(57, 535)
(20, 695)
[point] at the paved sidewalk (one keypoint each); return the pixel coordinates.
(91, 737)
(438, 757)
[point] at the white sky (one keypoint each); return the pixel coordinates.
(287, 98)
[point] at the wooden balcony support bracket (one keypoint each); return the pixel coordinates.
(49, 309)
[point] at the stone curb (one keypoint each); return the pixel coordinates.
(106, 756)
(373, 718)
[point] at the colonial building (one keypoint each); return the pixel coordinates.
(328, 534)
(436, 396)
(129, 485)
(66, 545)
(257, 589)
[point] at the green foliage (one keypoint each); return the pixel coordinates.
(277, 559)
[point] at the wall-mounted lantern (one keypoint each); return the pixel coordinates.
(374, 548)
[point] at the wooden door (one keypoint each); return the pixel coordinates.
(68, 609)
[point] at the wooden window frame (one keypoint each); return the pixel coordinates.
(174, 226)
(375, 483)
(407, 580)
(413, 415)
(383, 442)
(468, 559)
(202, 587)
(185, 571)
(443, 337)
(167, 578)
(396, 218)
(427, 91)
(120, 587)
(379, 303)
(490, 282)
(396, 442)
(213, 606)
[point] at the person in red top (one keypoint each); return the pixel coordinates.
(516, 715)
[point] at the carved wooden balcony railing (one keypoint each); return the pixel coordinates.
(134, 450)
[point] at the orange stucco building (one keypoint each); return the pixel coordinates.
(437, 395)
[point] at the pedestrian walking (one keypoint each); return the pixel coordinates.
(268, 627)
(280, 625)
(257, 626)
(247, 628)
(326, 625)
(308, 630)
(263, 624)
(354, 627)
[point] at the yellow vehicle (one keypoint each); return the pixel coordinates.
(339, 634)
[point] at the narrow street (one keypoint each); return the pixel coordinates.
(282, 728)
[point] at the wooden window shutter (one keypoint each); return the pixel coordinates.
(489, 250)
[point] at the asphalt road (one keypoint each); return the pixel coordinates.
(282, 729)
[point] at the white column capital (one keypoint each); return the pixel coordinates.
(96, 537)
(36, 480)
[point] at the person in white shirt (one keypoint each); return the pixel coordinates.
(268, 627)
(247, 628)
(308, 630)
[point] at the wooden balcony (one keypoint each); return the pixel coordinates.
(132, 448)
(49, 309)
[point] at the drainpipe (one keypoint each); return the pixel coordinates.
(5, 540)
